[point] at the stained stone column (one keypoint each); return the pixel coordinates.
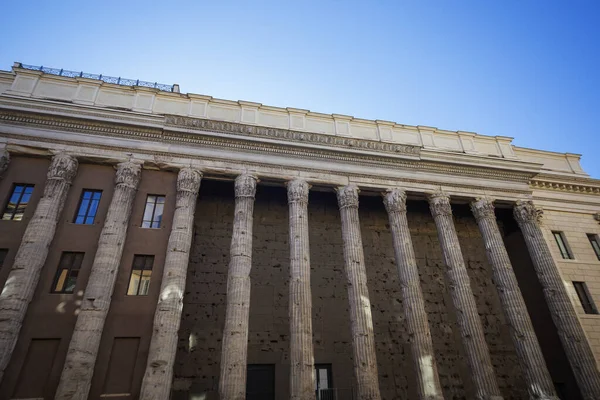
(421, 346)
(4, 160)
(570, 331)
(363, 341)
(25, 273)
(302, 371)
(79, 365)
(234, 356)
(467, 317)
(163, 346)
(536, 375)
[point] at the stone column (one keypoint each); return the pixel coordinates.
(30, 259)
(570, 331)
(234, 355)
(302, 371)
(467, 317)
(4, 160)
(533, 365)
(363, 340)
(78, 369)
(421, 346)
(163, 346)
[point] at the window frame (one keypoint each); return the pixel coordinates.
(12, 192)
(154, 204)
(86, 214)
(561, 242)
(595, 243)
(585, 298)
(60, 268)
(133, 269)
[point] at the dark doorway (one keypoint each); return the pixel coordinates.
(260, 383)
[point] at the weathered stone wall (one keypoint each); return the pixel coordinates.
(197, 369)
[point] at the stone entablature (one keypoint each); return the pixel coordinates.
(89, 92)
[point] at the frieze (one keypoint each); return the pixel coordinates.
(290, 135)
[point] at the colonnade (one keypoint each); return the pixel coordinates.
(77, 373)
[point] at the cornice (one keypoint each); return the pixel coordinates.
(575, 186)
(206, 139)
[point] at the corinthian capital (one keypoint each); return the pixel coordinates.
(245, 185)
(128, 174)
(483, 207)
(4, 159)
(63, 167)
(439, 204)
(188, 180)
(347, 196)
(297, 191)
(395, 200)
(525, 211)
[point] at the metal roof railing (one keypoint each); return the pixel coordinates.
(100, 77)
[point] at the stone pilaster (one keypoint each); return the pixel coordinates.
(25, 273)
(163, 346)
(4, 160)
(302, 370)
(459, 286)
(234, 356)
(533, 365)
(79, 365)
(363, 340)
(421, 346)
(563, 313)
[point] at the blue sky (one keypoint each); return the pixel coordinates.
(525, 69)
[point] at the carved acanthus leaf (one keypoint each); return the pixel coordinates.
(439, 204)
(395, 200)
(245, 185)
(128, 174)
(525, 211)
(63, 167)
(188, 180)
(347, 196)
(297, 191)
(483, 207)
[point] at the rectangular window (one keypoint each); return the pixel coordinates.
(584, 297)
(260, 382)
(88, 207)
(562, 245)
(595, 243)
(154, 211)
(141, 272)
(323, 381)
(67, 272)
(3, 254)
(19, 198)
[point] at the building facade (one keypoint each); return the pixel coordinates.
(158, 245)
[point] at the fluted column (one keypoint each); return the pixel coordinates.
(25, 273)
(302, 371)
(234, 356)
(78, 369)
(163, 346)
(533, 365)
(4, 160)
(421, 346)
(467, 317)
(363, 340)
(570, 331)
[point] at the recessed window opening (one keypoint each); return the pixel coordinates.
(595, 242)
(154, 211)
(561, 241)
(585, 298)
(88, 207)
(141, 273)
(19, 198)
(67, 272)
